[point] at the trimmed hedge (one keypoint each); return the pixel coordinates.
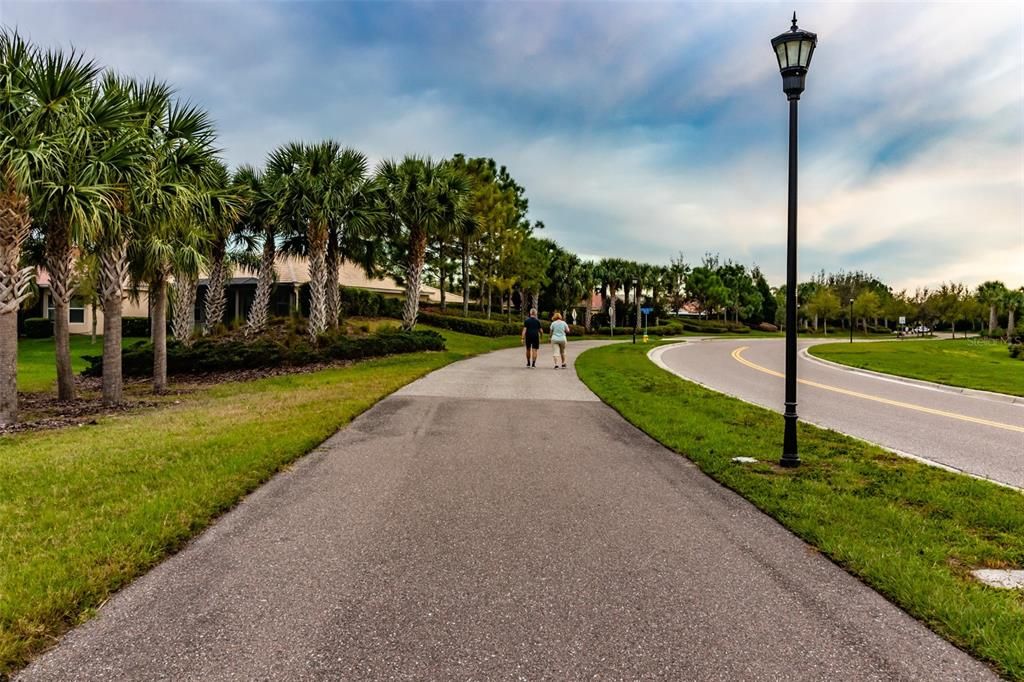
(38, 328)
(659, 330)
(363, 303)
(134, 326)
(468, 325)
(221, 354)
(455, 310)
(714, 327)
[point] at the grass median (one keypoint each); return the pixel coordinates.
(969, 363)
(910, 531)
(84, 510)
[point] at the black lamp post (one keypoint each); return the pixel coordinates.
(851, 320)
(793, 49)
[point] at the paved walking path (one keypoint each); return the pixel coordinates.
(496, 522)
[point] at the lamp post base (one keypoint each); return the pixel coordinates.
(790, 458)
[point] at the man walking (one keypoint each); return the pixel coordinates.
(532, 332)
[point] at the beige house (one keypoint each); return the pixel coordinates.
(81, 312)
(291, 288)
(290, 293)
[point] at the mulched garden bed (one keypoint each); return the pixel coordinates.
(43, 412)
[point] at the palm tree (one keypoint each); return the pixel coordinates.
(613, 274)
(165, 204)
(147, 191)
(590, 282)
(260, 225)
(646, 274)
(186, 264)
(318, 193)
(1013, 300)
(991, 293)
(80, 193)
(423, 197)
(355, 226)
(222, 198)
(24, 152)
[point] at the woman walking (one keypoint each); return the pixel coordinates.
(559, 329)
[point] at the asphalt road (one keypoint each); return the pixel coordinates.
(978, 434)
(496, 522)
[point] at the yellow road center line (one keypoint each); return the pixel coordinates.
(738, 357)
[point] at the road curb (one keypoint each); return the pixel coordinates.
(946, 388)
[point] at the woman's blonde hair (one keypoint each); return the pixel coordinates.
(556, 316)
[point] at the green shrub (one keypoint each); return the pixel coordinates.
(469, 325)
(714, 327)
(456, 311)
(767, 327)
(38, 328)
(363, 303)
(134, 326)
(213, 354)
(659, 330)
(1016, 350)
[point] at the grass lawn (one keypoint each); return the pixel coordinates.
(85, 510)
(910, 531)
(36, 369)
(970, 363)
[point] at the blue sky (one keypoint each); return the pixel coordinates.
(639, 129)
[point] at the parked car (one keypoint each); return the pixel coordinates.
(921, 329)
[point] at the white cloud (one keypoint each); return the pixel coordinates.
(912, 127)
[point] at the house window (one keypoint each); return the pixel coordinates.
(76, 311)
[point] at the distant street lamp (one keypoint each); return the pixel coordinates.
(793, 49)
(851, 320)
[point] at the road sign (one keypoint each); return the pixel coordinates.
(903, 319)
(646, 311)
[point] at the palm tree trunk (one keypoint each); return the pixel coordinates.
(59, 264)
(465, 279)
(112, 379)
(332, 291)
(1010, 326)
(417, 251)
(14, 288)
(444, 272)
(992, 320)
(260, 309)
(8, 366)
(113, 272)
(183, 308)
(158, 301)
(215, 302)
(317, 280)
(611, 307)
(92, 334)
